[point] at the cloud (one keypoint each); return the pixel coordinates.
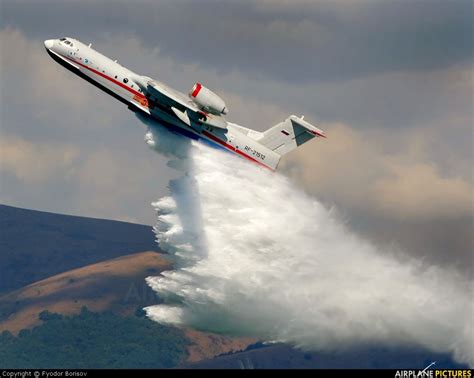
(418, 191)
(109, 182)
(304, 42)
(34, 163)
(339, 169)
(42, 81)
(394, 188)
(386, 173)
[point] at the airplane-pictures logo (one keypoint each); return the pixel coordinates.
(434, 373)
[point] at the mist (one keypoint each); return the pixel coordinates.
(256, 256)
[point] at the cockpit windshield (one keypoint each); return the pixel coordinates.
(66, 42)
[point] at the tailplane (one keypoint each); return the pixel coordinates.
(289, 134)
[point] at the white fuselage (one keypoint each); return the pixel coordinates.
(118, 81)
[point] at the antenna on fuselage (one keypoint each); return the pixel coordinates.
(90, 44)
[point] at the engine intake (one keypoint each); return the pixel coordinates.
(207, 100)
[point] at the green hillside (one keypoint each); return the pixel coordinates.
(93, 340)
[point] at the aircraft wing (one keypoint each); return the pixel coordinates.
(182, 106)
(171, 97)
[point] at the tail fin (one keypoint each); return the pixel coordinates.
(289, 134)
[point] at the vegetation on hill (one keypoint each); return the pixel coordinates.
(93, 340)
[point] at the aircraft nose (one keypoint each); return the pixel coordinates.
(49, 43)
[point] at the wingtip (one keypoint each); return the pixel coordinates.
(319, 133)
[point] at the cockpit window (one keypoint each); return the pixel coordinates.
(66, 42)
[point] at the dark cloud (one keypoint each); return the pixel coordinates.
(314, 58)
(296, 42)
(447, 242)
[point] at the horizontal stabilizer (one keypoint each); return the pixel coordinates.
(309, 127)
(288, 135)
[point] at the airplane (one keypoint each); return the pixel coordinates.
(199, 115)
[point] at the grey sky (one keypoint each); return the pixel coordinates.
(390, 82)
(297, 41)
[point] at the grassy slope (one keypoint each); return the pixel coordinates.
(116, 285)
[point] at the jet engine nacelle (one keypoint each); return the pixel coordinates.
(207, 100)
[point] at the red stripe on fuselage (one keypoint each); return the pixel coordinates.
(228, 146)
(107, 77)
(198, 88)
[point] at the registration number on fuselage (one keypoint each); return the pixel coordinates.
(255, 153)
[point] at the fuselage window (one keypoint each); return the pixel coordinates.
(125, 80)
(115, 76)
